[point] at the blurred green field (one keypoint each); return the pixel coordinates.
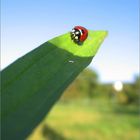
(84, 119)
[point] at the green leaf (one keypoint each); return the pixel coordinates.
(34, 82)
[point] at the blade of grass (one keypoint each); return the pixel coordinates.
(33, 83)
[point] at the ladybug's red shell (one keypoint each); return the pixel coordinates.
(84, 34)
(79, 34)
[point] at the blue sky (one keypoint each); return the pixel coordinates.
(28, 23)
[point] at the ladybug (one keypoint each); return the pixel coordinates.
(79, 34)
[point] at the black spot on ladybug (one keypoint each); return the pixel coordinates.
(83, 31)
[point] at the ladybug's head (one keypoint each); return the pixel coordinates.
(79, 34)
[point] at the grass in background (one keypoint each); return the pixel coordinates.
(96, 119)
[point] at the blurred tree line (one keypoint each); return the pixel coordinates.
(87, 85)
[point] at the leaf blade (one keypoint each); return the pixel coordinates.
(33, 83)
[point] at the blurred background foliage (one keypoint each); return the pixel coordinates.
(91, 110)
(87, 85)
